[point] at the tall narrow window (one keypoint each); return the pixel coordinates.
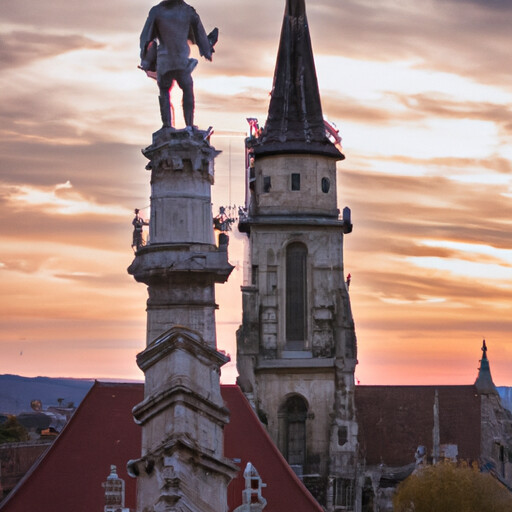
(295, 412)
(254, 275)
(295, 181)
(267, 183)
(296, 296)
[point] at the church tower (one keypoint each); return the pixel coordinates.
(296, 347)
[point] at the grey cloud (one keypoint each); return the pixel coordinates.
(128, 16)
(349, 109)
(113, 281)
(416, 327)
(21, 263)
(233, 58)
(19, 48)
(427, 207)
(439, 106)
(253, 100)
(473, 41)
(108, 173)
(496, 5)
(415, 287)
(87, 230)
(88, 16)
(419, 107)
(497, 164)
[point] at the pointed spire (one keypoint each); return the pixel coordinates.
(484, 383)
(295, 122)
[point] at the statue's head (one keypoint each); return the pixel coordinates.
(136, 211)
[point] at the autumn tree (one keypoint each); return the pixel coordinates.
(447, 487)
(11, 431)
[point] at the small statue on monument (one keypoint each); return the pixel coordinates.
(138, 223)
(165, 50)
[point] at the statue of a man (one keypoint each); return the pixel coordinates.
(164, 48)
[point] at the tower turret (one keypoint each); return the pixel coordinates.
(484, 383)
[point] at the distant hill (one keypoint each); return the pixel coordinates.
(17, 392)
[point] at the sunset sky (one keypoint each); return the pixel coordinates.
(422, 95)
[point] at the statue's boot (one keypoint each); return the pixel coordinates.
(188, 107)
(188, 114)
(165, 110)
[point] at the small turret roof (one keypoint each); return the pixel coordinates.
(484, 383)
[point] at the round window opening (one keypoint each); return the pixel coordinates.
(326, 185)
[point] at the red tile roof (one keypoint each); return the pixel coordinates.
(102, 432)
(69, 477)
(395, 420)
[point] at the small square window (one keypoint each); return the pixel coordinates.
(295, 181)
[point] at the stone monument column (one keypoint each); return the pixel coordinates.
(181, 263)
(182, 467)
(183, 415)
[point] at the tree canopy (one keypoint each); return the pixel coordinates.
(11, 431)
(449, 487)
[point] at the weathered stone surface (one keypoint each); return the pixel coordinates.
(182, 172)
(181, 264)
(182, 467)
(280, 199)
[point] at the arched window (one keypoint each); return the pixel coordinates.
(296, 296)
(294, 413)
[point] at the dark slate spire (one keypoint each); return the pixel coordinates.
(484, 383)
(295, 122)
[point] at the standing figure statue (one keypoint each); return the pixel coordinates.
(138, 222)
(164, 48)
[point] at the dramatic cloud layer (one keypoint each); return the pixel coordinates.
(421, 94)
